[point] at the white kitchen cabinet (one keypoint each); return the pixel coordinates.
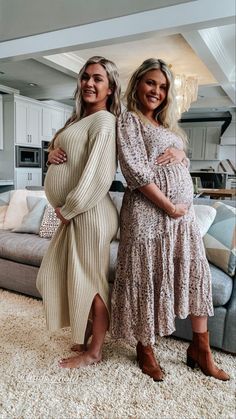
(212, 143)
(52, 121)
(67, 115)
(203, 141)
(198, 143)
(27, 123)
(27, 177)
(54, 117)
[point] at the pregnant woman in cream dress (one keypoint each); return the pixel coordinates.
(73, 277)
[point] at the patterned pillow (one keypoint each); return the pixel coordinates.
(49, 224)
(220, 239)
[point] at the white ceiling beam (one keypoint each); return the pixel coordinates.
(68, 63)
(209, 46)
(168, 20)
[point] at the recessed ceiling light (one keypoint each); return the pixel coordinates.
(32, 84)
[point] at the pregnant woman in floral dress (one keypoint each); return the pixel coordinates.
(162, 270)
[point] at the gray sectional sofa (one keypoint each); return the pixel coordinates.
(21, 255)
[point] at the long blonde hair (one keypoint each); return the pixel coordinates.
(113, 101)
(166, 114)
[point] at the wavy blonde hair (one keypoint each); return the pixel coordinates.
(166, 114)
(113, 101)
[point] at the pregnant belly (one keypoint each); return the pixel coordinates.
(59, 182)
(176, 183)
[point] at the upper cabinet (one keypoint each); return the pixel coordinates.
(27, 123)
(22, 120)
(203, 140)
(67, 115)
(53, 118)
(52, 121)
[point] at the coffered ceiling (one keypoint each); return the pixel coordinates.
(46, 43)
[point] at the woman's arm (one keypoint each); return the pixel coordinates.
(154, 194)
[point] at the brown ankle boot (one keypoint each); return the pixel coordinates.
(148, 363)
(199, 352)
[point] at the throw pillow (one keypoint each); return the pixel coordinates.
(17, 207)
(4, 202)
(32, 220)
(220, 239)
(49, 224)
(205, 215)
(117, 198)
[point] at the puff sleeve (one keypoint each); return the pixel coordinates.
(132, 153)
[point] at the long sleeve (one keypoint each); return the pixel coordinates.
(132, 152)
(99, 170)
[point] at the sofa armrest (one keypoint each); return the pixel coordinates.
(229, 342)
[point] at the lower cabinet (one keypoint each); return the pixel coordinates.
(27, 177)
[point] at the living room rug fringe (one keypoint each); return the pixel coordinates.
(33, 386)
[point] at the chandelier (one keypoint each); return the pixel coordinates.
(186, 91)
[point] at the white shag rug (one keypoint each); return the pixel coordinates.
(33, 386)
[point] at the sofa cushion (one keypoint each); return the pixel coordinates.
(23, 248)
(222, 286)
(220, 239)
(205, 216)
(117, 198)
(32, 220)
(17, 207)
(113, 257)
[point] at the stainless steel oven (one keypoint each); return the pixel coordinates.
(28, 156)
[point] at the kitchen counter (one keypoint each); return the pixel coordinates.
(6, 185)
(6, 182)
(218, 193)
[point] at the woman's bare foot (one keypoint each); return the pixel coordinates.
(88, 333)
(78, 348)
(82, 360)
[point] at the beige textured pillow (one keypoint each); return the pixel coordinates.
(3, 211)
(117, 198)
(205, 215)
(220, 240)
(4, 202)
(49, 224)
(17, 208)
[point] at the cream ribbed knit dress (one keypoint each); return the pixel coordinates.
(75, 267)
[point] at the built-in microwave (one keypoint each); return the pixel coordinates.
(28, 156)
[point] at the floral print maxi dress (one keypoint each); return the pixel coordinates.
(162, 271)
